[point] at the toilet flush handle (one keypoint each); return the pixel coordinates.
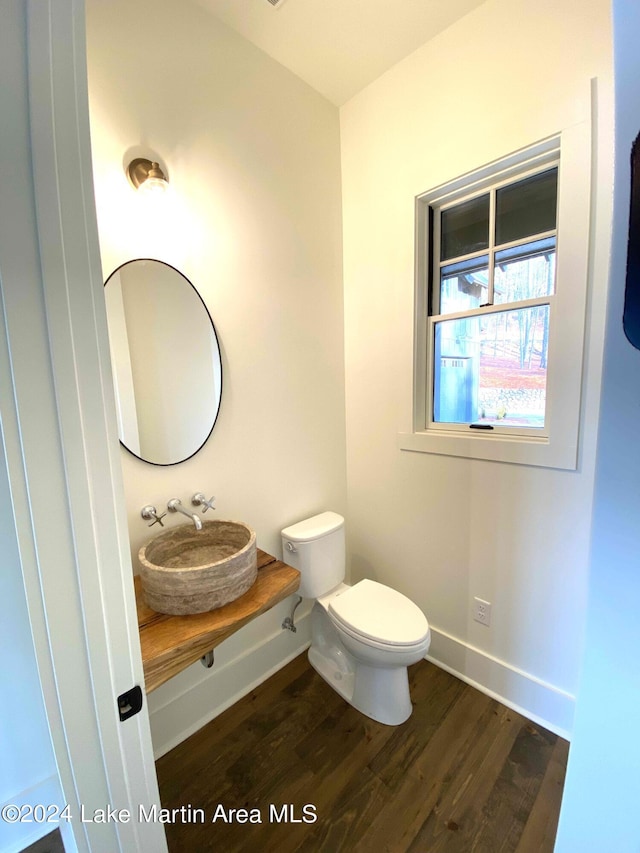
(291, 548)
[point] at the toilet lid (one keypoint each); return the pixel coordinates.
(380, 613)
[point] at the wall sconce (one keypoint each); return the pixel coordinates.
(147, 176)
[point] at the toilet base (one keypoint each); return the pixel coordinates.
(336, 674)
(381, 693)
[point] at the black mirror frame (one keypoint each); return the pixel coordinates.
(631, 315)
(215, 335)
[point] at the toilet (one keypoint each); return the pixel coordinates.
(363, 637)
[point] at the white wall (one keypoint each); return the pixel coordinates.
(121, 365)
(444, 529)
(253, 220)
(602, 789)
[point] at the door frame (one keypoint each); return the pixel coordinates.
(61, 444)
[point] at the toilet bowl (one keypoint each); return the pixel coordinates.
(363, 637)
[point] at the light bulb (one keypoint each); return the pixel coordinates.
(147, 177)
(156, 184)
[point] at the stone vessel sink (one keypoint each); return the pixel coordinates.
(186, 571)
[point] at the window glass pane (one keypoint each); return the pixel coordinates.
(464, 285)
(527, 207)
(525, 272)
(492, 369)
(464, 228)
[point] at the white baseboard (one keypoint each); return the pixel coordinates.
(197, 697)
(186, 711)
(16, 836)
(541, 702)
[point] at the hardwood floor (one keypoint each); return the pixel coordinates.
(51, 843)
(463, 774)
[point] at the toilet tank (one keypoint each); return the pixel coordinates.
(315, 547)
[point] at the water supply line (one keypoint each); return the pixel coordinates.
(288, 622)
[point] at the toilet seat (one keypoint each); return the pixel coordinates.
(379, 615)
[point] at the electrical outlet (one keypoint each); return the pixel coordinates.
(482, 611)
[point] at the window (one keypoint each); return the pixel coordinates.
(501, 281)
(492, 288)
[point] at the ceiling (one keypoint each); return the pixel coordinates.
(339, 46)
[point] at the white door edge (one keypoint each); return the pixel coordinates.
(59, 424)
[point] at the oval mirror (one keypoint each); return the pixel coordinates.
(166, 361)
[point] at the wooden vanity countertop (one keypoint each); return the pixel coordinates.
(172, 643)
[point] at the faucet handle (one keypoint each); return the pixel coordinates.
(199, 500)
(150, 512)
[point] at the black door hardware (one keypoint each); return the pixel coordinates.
(130, 703)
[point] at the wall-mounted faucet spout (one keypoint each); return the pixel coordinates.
(175, 505)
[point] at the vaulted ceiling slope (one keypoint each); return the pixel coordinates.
(339, 46)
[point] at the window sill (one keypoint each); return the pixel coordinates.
(516, 450)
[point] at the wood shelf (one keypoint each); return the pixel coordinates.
(172, 643)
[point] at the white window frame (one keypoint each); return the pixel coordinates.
(556, 445)
(539, 165)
